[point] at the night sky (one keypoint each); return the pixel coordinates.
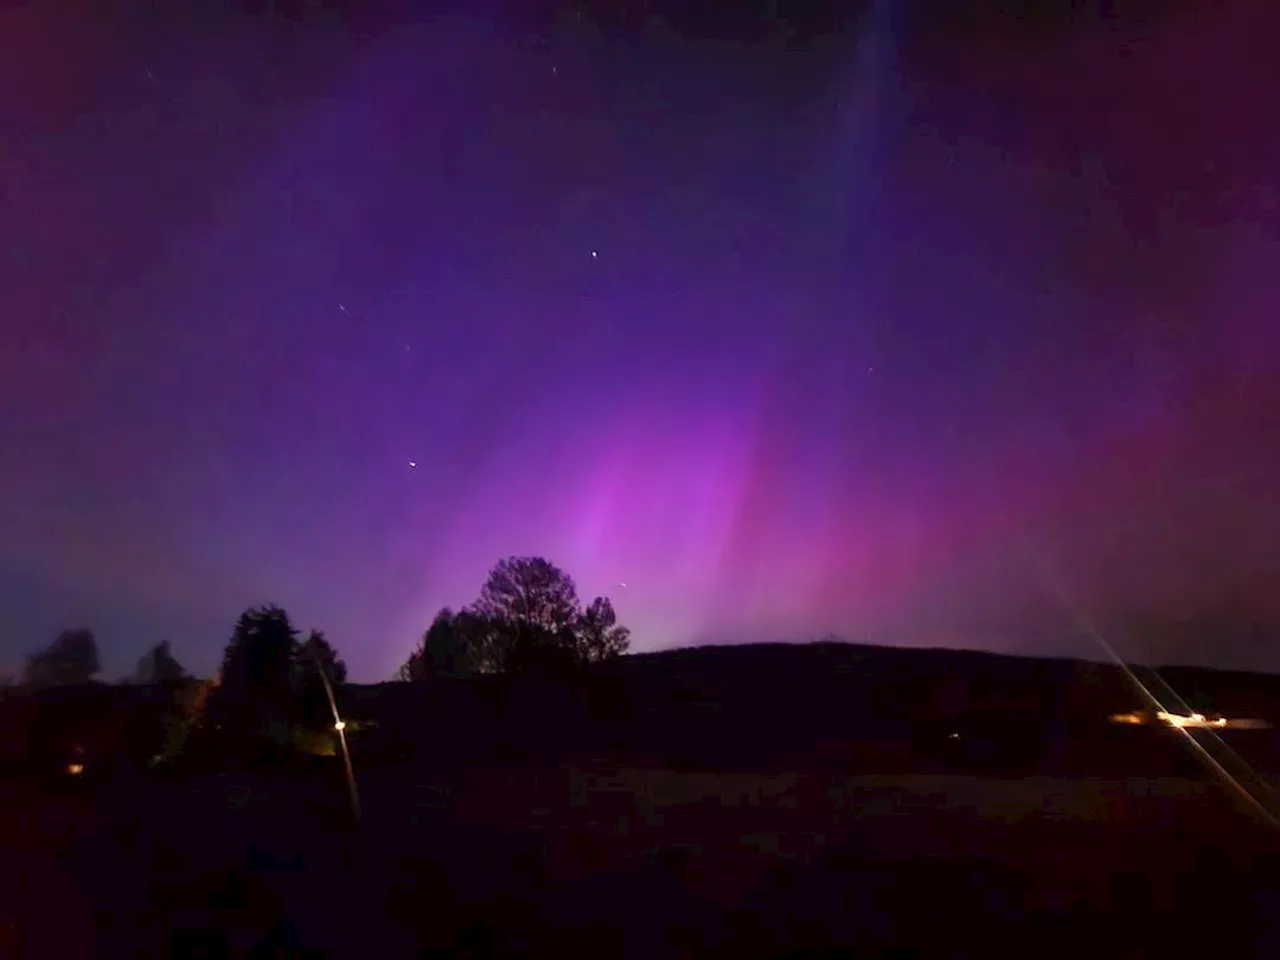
(926, 330)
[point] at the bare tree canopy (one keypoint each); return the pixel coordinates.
(599, 635)
(529, 591)
(528, 618)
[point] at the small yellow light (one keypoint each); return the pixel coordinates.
(75, 769)
(340, 725)
(1129, 718)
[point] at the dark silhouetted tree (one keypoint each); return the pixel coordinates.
(259, 656)
(539, 650)
(529, 591)
(256, 683)
(446, 649)
(530, 607)
(411, 671)
(311, 656)
(599, 635)
(418, 667)
(72, 658)
(489, 642)
(528, 619)
(158, 665)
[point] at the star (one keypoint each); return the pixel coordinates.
(593, 255)
(413, 463)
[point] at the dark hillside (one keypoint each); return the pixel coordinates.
(827, 705)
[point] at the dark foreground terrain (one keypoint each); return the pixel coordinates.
(708, 822)
(522, 861)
